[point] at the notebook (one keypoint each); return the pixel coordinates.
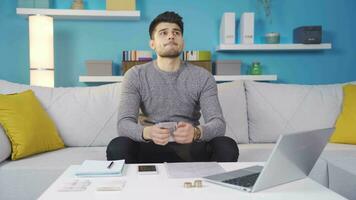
(100, 168)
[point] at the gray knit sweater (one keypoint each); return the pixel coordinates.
(169, 96)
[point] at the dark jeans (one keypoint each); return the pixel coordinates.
(220, 149)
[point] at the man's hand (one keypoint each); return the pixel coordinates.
(184, 133)
(158, 135)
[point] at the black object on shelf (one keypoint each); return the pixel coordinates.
(307, 35)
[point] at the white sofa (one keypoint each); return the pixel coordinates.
(256, 114)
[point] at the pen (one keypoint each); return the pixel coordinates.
(111, 164)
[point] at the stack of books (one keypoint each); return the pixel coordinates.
(200, 58)
(197, 55)
(136, 55)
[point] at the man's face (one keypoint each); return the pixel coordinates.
(167, 40)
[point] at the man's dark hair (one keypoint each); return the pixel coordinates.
(169, 17)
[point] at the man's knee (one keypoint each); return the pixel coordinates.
(122, 148)
(225, 149)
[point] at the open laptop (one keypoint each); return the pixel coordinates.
(292, 158)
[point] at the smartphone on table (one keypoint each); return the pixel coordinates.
(147, 169)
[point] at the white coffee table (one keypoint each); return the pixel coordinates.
(161, 187)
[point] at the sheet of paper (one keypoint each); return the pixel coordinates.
(193, 169)
(112, 185)
(74, 185)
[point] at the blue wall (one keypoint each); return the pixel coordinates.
(77, 41)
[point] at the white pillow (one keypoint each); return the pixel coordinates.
(84, 116)
(233, 103)
(5, 146)
(275, 109)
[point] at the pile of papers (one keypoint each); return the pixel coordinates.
(193, 169)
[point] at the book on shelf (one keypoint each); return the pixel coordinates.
(100, 168)
(196, 55)
(132, 58)
(136, 55)
(200, 58)
(126, 65)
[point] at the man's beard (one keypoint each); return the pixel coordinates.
(170, 54)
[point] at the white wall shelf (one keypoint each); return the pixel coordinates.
(245, 77)
(100, 79)
(80, 14)
(104, 79)
(272, 47)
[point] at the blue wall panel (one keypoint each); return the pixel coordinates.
(77, 41)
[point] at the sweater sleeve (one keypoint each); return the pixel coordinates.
(129, 106)
(210, 107)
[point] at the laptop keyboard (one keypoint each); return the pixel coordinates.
(244, 181)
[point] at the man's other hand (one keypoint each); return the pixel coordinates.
(184, 133)
(158, 135)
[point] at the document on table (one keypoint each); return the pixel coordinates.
(193, 169)
(74, 185)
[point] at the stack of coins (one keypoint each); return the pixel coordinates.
(78, 4)
(196, 184)
(188, 185)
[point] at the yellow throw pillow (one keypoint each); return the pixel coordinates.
(346, 123)
(28, 126)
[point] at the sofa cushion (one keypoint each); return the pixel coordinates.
(233, 103)
(84, 116)
(346, 123)
(56, 160)
(255, 152)
(27, 125)
(342, 176)
(28, 178)
(5, 147)
(261, 152)
(275, 109)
